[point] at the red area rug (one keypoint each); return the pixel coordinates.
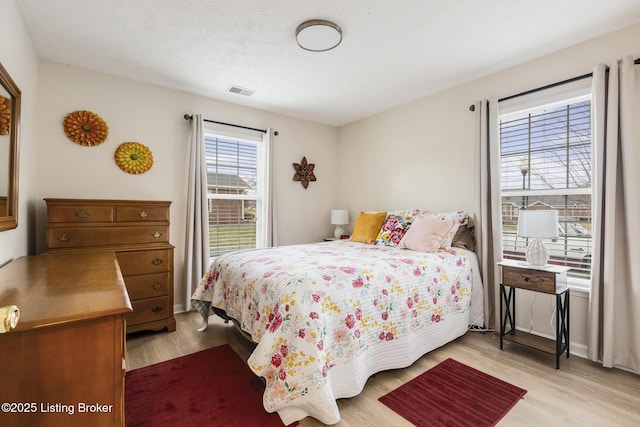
(213, 387)
(453, 394)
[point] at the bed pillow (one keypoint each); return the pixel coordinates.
(395, 227)
(465, 238)
(459, 217)
(367, 227)
(426, 234)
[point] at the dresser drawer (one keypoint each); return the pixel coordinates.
(149, 310)
(535, 280)
(147, 285)
(142, 213)
(142, 262)
(70, 237)
(79, 214)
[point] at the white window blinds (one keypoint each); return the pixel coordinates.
(234, 192)
(545, 154)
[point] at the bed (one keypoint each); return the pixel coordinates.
(326, 316)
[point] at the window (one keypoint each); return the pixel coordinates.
(545, 156)
(235, 192)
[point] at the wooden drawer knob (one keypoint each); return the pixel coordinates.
(157, 261)
(82, 214)
(63, 237)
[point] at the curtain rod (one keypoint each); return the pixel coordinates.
(549, 86)
(190, 117)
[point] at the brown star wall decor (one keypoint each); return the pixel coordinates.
(304, 172)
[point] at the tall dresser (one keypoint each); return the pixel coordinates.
(138, 232)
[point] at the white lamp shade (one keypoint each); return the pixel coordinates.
(541, 224)
(339, 217)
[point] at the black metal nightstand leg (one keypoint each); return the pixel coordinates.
(512, 299)
(507, 311)
(562, 325)
(566, 319)
(559, 331)
(567, 305)
(501, 310)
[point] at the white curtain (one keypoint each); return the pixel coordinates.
(488, 221)
(196, 254)
(270, 235)
(614, 305)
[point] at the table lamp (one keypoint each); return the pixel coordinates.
(339, 217)
(537, 225)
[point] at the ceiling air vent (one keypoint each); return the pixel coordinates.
(241, 91)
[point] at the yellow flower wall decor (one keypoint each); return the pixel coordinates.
(304, 172)
(5, 115)
(133, 157)
(85, 128)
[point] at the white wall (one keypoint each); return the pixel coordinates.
(19, 58)
(153, 116)
(424, 155)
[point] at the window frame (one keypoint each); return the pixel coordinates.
(259, 195)
(546, 99)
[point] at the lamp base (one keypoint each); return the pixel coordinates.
(537, 253)
(339, 232)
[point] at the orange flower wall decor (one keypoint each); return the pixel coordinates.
(304, 172)
(133, 157)
(85, 128)
(5, 115)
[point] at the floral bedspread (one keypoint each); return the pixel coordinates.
(319, 311)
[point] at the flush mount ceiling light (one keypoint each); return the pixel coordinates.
(318, 35)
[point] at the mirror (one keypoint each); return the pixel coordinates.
(9, 132)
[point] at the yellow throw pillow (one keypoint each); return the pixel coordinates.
(367, 227)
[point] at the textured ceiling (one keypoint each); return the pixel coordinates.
(392, 52)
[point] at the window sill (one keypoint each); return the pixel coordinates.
(579, 291)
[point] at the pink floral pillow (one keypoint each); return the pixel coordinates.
(395, 226)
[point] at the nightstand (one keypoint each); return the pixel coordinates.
(549, 279)
(332, 239)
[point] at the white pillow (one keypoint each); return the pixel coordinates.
(426, 233)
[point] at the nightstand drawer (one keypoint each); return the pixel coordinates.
(534, 280)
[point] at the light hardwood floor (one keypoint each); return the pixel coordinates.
(579, 394)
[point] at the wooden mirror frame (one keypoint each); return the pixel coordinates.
(10, 220)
